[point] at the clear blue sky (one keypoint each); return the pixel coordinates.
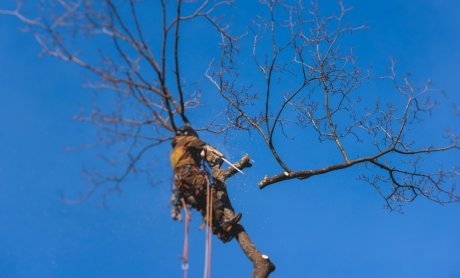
(329, 226)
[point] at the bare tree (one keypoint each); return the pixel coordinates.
(323, 96)
(138, 66)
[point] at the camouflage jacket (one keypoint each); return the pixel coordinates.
(186, 150)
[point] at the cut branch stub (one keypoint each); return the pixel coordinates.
(222, 175)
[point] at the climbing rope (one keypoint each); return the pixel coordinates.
(185, 250)
(208, 241)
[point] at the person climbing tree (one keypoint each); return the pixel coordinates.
(189, 157)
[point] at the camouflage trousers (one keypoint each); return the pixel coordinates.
(190, 183)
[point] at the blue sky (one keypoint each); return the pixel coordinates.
(329, 226)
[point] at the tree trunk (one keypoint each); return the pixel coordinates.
(261, 262)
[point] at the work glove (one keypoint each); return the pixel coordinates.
(212, 156)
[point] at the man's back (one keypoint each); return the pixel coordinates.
(186, 150)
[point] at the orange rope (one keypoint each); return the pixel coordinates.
(185, 252)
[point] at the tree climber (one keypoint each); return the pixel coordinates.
(188, 156)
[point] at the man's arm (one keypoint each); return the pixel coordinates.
(195, 143)
(208, 153)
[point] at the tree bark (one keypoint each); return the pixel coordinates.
(262, 266)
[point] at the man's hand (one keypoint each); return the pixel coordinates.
(211, 155)
(175, 214)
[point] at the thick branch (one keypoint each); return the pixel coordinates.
(262, 264)
(309, 173)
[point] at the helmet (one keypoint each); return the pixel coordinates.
(186, 131)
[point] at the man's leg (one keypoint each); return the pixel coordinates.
(223, 211)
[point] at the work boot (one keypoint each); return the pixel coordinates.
(230, 221)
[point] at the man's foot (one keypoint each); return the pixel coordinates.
(228, 224)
